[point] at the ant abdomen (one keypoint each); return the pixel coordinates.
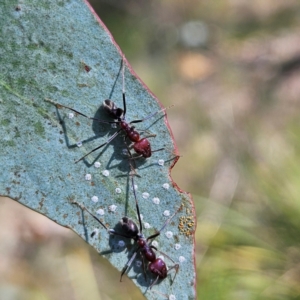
(143, 148)
(159, 268)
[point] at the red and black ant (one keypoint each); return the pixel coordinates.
(140, 145)
(132, 231)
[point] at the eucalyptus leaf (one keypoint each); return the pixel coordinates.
(60, 50)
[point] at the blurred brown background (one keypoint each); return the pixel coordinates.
(232, 70)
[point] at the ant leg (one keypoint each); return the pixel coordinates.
(137, 205)
(154, 282)
(163, 227)
(176, 267)
(98, 220)
(160, 149)
(141, 155)
(78, 112)
(144, 267)
(129, 263)
(132, 158)
(150, 135)
(132, 168)
(102, 145)
(150, 116)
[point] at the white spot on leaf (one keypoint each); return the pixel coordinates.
(161, 162)
(181, 259)
(169, 234)
(145, 195)
(155, 200)
(147, 225)
(166, 213)
(155, 244)
(97, 164)
(88, 177)
(112, 208)
(95, 199)
(166, 186)
(100, 212)
(105, 173)
(177, 246)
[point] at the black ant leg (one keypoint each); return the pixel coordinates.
(102, 145)
(98, 220)
(132, 168)
(154, 282)
(150, 135)
(140, 156)
(150, 116)
(129, 263)
(144, 267)
(137, 205)
(78, 112)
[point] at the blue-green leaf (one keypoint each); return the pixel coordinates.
(60, 50)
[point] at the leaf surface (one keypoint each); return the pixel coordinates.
(60, 50)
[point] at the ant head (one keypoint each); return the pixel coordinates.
(129, 227)
(111, 108)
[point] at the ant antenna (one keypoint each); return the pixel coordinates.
(151, 115)
(164, 226)
(123, 85)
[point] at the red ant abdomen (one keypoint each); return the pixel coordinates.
(143, 148)
(159, 268)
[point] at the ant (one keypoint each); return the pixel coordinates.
(132, 231)
(140, 145)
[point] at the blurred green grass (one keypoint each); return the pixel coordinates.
(236, 124)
